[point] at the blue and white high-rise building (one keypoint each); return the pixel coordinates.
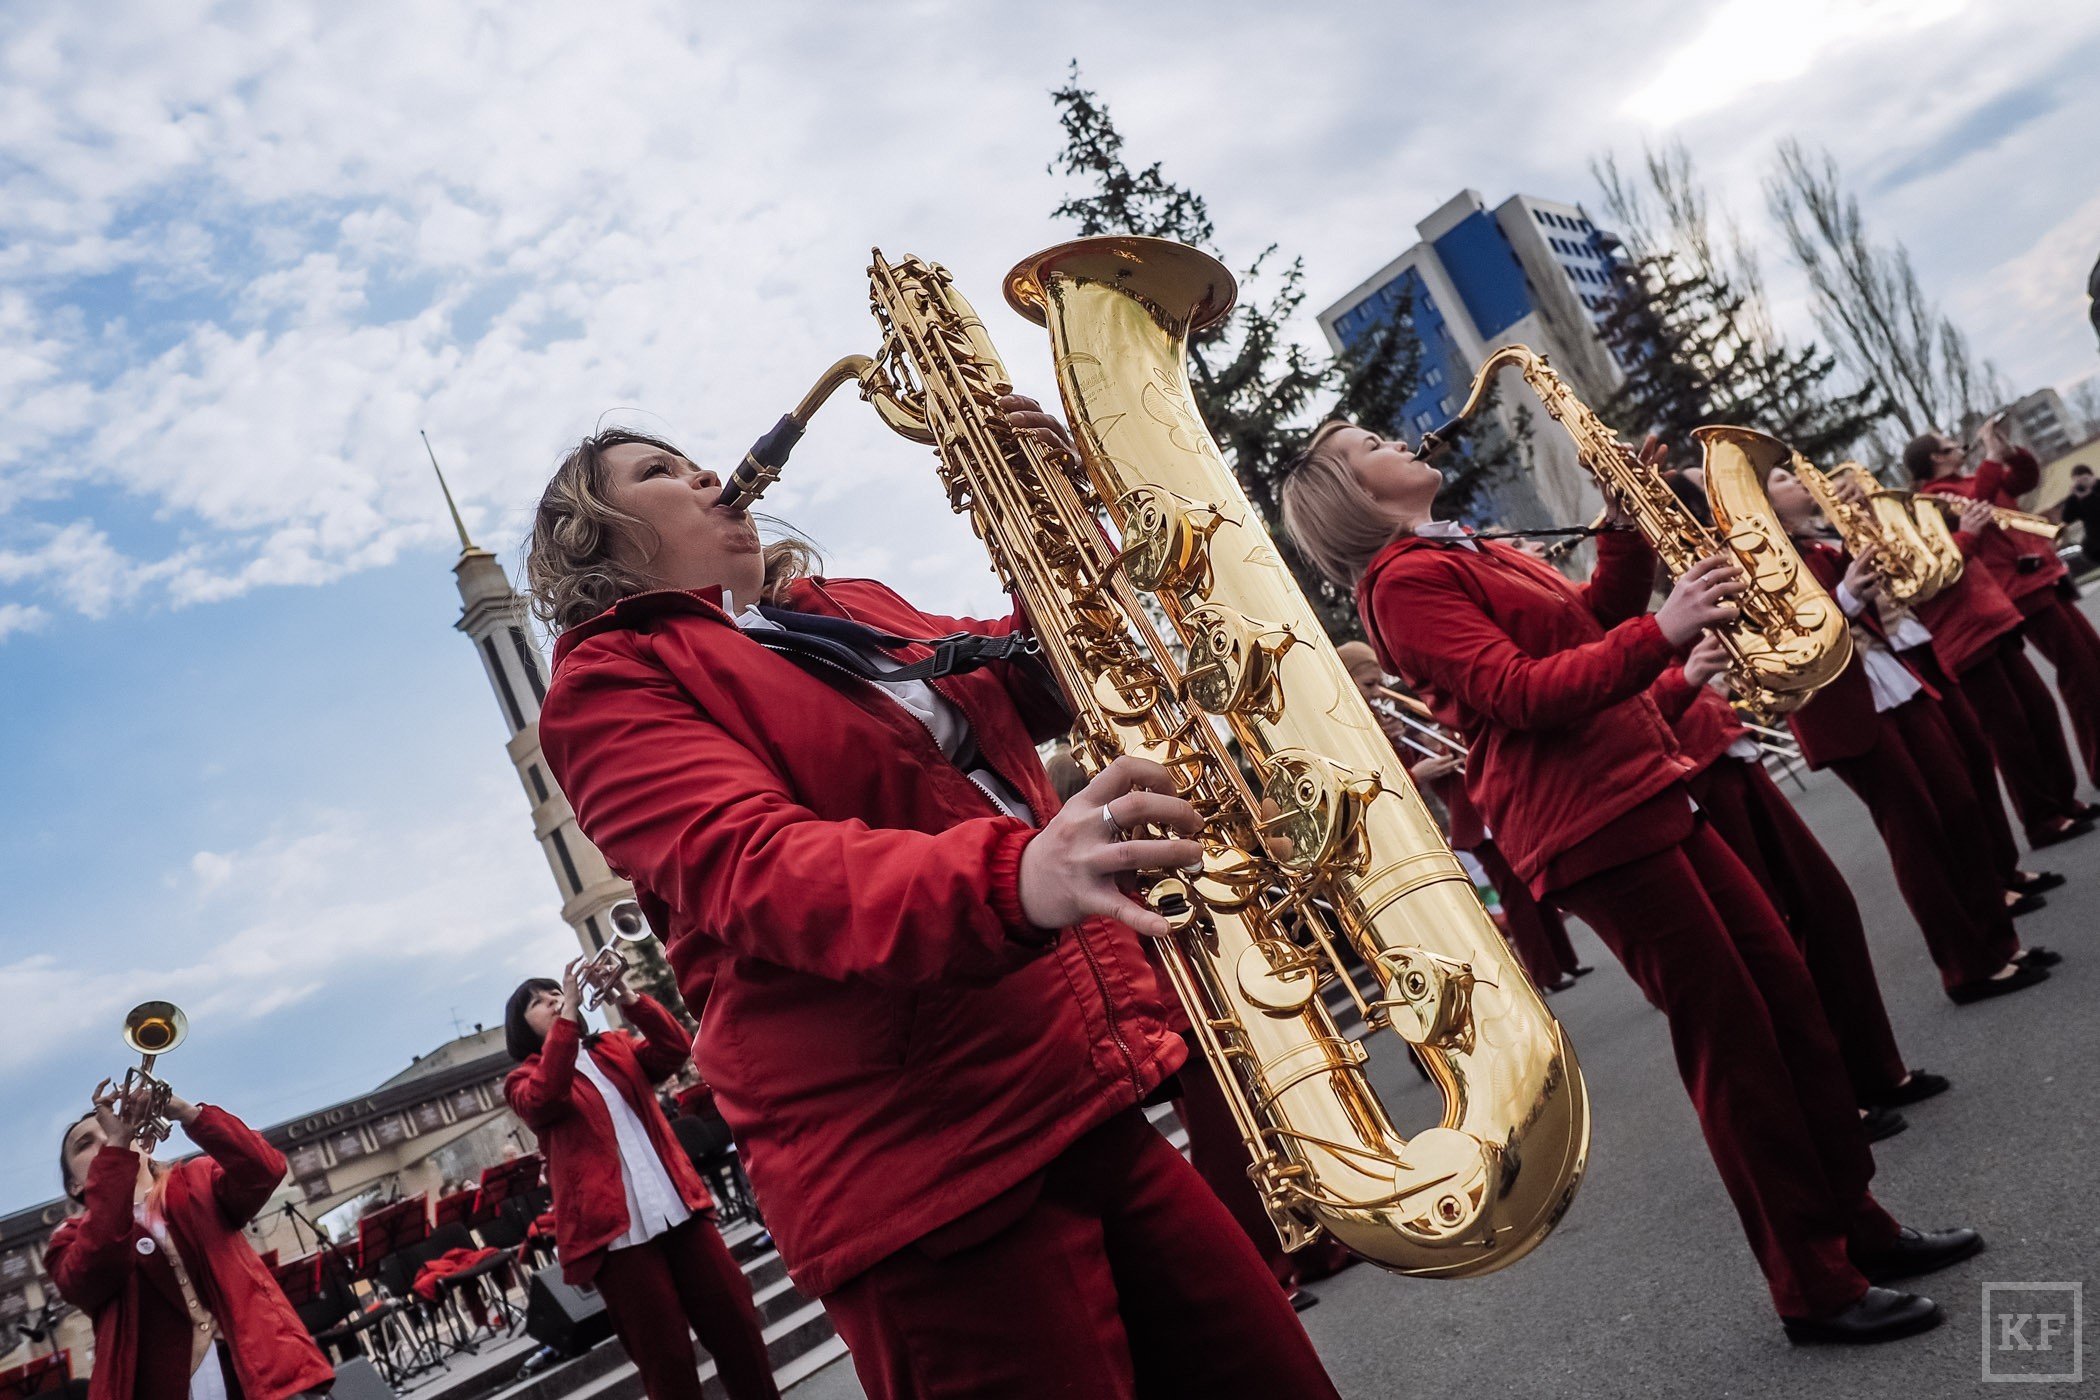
(1531, 271)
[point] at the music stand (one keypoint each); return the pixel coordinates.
(390, 1229)
(506, 1181)
(455, 1209)
(299, 1278)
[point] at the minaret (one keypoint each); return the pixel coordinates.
(493, 614)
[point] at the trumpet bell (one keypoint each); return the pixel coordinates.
(155, 1027)
(628, 925)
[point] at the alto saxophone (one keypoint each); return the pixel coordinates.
(1904, 562)
(1313, 838)
(1788, 639)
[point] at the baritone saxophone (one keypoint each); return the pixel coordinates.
(1177, 634)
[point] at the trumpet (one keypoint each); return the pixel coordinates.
(605, 967)
(1430, 738)
(151, 1029)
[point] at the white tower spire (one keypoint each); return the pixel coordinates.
(493, 614)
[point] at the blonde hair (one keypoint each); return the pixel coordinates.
(1328, 516)
(572, 565)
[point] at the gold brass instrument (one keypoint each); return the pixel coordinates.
(2004, 517)
(151, 1029)
(1789, 638)
(1921, 530)
(1906, 566)
(609, 964)
(1429, 738)
(1345, 850)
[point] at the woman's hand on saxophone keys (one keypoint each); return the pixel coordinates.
(1701, 599)
(1862, 580)
(1029, 420)
(1074, 866)
(1975, 517)
(1708, 661)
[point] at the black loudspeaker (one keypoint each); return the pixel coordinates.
(356, 1380)
(571, 1320)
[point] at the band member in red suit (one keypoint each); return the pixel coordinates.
(1880, 727)
(1746, 808)
(1536, 932)
(630, 1213)
(923, 1006)
(1575, 767)
(1976, 639)
(183, 1307)
(2027, 566)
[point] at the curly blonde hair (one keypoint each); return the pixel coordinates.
(572, 565)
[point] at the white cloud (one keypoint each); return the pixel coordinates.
(21, 617)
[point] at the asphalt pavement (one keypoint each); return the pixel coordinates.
(1647, 1287)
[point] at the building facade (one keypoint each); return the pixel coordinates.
(1528, 272)
(2042, 424)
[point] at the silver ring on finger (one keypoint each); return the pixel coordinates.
(1115, 828)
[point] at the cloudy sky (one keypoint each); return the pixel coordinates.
(247, 251)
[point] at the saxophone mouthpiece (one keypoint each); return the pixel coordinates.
(1438, 440)
(761, 465)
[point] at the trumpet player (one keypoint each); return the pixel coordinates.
(1881, 728)
(630, 1214)
(2026, 565)
(1575, 766)
(923, 1006)
(182, 1305)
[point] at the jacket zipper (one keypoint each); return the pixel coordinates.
(1108, 1013)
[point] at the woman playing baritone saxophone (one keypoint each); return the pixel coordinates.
(923, 1007)
(1575, 769)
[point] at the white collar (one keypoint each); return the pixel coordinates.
(1445, 530)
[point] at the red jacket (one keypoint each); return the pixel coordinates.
(1704, 723)
(1563, 739)
(1969, 616)
(576, 1130)
(2025, 565)
(839, 903)
(142, 1343)
(1839, 721)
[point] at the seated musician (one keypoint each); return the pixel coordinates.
(923, 1007)
(1573, 765)
(630, 1214)
(183, 1307)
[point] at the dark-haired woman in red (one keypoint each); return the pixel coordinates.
(923, 1007)
(630, 1214)
(1572, 762)
(2026, 565)
(183, 1306)
(1881, 728)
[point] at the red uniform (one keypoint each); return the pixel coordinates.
(1746, 807)
(107, 1264)
(682, 1277)
(1976, 639)
(899, 1053)
(1907, 765)
(1537, 933)
(1577, 770)
(2040, 586)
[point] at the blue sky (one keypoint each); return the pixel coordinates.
(247, 251)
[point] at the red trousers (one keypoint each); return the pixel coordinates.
(1123, 1278)
(1536, 932)
(2026, 735)
(684, 1278)
(1749, 812)
(1973, 747)
(1916, 786)
(1757, 1057)
(1220, 1158)
(2062, 635)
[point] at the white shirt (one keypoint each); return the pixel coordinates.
(653, 1203)
(1445, 530)
(950, 731)
(1889, 680)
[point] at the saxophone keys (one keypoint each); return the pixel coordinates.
(1278, 976)
(1166, 539)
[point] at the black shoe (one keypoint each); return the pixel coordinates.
(2035, 955)
(1581, 970)
(2035, 881)
(1881, 1122)
(1922, 1085)
(1881, 1315)
(1989, 987)
(1562, 985)
(1303, 1298)
(2025, 904)
(1915, 1252)
(2071, 831)
(2085, 811)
